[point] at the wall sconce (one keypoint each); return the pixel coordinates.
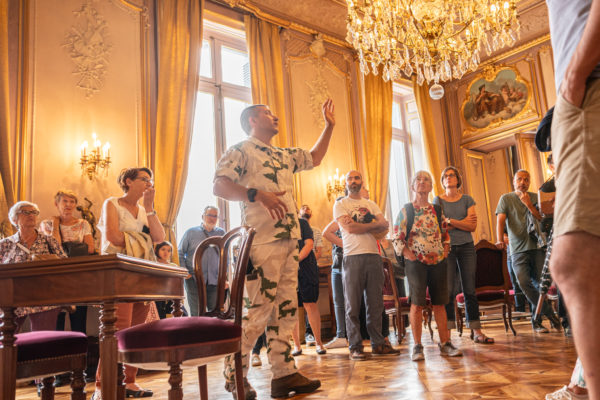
(336, 185)
(95, 159)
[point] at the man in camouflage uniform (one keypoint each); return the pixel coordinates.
(261, 177)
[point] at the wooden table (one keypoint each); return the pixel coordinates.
(105, 280)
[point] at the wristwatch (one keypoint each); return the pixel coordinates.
(251, 195)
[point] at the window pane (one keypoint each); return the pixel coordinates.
(411, 107)
(235, 66)
(201, 168)
(399, 179)
(396, 116)
(206, 60)
(416, 139)
(234, 134)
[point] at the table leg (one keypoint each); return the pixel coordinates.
(108, 350)
(8, 354)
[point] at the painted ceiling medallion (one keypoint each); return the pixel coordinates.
(87, 45)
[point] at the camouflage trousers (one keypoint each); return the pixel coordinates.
(270, 305)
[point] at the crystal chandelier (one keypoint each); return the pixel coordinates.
(438, 40)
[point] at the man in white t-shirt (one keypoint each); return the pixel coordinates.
(362, 268)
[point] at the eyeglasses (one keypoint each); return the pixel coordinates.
(146, 180)
(212, 215)
(29, 212)
(450, 175)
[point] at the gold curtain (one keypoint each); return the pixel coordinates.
(7, 197)
(427, 128)
(377, 136)
(179, 26)
(266, 70)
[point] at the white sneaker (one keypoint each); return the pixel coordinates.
(255, 361)
(337, 343)
(564, 394)
(310, 340)
(97, 395)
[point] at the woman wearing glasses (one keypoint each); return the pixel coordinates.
(121, 218)
(26, 245)
(459, 210)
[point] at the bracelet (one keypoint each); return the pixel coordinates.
(151, 213)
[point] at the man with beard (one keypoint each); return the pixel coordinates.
(262, 177)
(210, 262)
(527, 258)
(362, 268)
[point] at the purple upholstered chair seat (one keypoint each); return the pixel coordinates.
(48, 344)
(171, 332)
(487, 295)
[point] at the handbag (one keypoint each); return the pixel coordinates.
(73, 249)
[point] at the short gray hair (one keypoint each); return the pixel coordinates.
(16, 209)
(417, 175)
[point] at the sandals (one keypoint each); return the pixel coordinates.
(481, 338)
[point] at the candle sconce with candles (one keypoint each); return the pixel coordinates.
(336, 185)
(96, 159)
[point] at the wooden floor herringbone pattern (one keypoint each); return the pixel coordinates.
(523, 367)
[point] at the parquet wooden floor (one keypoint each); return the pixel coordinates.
(523, 367)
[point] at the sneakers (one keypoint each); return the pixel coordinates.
(297, 351)
(255, 360)
(310, 340)
(357, 355)
(97, 395)
(320, 350)
(564, 394)
(384, 349)
(281, 387)
(337, 343)
(249, 392)
(417, 353)
(448, 349)
(539, 328)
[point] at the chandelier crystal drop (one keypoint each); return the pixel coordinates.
(438, 40)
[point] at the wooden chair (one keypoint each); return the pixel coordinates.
(399, 307)
(171, 343)
(492, 285)
(43, 354)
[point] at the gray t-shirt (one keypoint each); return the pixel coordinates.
(516, 221)
(457, 210)
(567, 21)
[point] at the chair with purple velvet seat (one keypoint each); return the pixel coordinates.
(43, 354)
(399, 307)
(492, 285)
(173, 343)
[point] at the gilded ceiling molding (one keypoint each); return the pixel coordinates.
(246, 6)
(88, 46)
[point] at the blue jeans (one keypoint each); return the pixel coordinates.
(462, 265)
(363, 274)
(528, 269)
(338, 302)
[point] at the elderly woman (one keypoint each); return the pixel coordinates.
(26, 245)
(75, 236)
(124, 218)
(459, 210)
(67, 228)
(421, 236)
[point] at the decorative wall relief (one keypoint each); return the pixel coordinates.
(89, 49)
(496, 96)
(317, 87)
